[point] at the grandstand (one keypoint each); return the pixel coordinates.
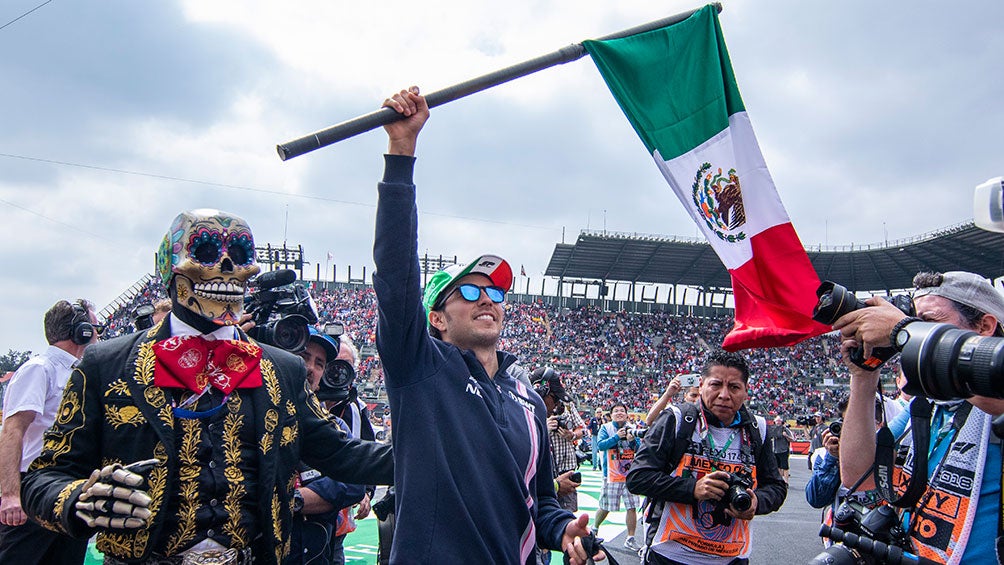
(614, 342)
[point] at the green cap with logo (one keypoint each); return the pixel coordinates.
(492, 266)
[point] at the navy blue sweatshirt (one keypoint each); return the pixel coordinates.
(472, 468)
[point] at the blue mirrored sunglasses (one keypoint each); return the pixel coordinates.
(472, 292)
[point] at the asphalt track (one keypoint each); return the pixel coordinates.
(786, 537)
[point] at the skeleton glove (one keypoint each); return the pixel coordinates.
(113, 497)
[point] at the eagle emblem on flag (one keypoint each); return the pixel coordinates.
(719, 200)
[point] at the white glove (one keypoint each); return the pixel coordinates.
(112, 497)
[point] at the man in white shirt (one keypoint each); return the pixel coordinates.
(29, 408)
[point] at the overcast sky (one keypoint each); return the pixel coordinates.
(876, 120)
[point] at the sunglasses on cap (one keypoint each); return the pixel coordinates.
(472, 292)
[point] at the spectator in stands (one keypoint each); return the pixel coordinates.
(467, 488)
(702, 445)
(780, 438)
(30, 405)
(618, 444)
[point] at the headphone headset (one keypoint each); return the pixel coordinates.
(81, 329)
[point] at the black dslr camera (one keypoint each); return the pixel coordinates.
(735, 496)
(807, 421)
(943, 362)
(281, 310)
(336, 382)
(835, 427)
(143, 316)
(835, 301)
(864, 536)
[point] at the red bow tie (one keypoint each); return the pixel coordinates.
(193, 362)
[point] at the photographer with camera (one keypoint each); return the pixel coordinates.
(565, 427)
(780, 440)
(707, 471)
(955, 519)
(617, 445)
(823, 488)
(322, 506)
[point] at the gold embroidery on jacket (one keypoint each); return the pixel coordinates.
(232, 504)
(126, 415)
(123, 545)
(271, 420)
(271, 382)
(119, 387)
(289, 434)
(281, 550)
(68, 407)
(57, 440)
(56, 525)
(145, 362)
(189, 492)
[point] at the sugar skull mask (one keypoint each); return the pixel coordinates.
(211, 256)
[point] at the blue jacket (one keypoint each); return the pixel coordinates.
(472, 461)
(821, 490)
(608, 439)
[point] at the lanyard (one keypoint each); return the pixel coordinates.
(947, 427)
(183, 411)
(715, 452)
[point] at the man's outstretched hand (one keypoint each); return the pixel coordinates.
(571, 542)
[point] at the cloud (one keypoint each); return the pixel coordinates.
(875, 121)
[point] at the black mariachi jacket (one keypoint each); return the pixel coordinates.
(112, 412)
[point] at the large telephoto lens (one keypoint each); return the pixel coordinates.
(834, 302)
(943, 362)
(291, 333)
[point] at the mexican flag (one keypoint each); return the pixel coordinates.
(677, 88)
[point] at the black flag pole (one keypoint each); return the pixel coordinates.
(383, 116)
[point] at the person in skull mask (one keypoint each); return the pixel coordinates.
(214, 423)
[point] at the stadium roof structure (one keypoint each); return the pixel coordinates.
(636, 258)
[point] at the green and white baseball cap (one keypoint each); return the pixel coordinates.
(492, 266)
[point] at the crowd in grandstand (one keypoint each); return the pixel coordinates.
(603, 356)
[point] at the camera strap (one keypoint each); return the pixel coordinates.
(999, 546)
(885, 445)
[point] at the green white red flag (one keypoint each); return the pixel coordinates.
(677, 88)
